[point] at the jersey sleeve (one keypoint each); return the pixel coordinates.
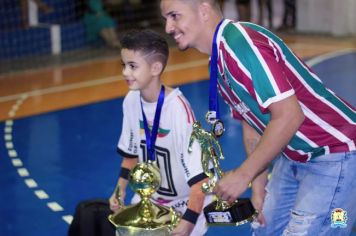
(257, 65)
(269, 79)
(190, 162)
(127, 145)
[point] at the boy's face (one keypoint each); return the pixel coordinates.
(182, 22)
(136, 70)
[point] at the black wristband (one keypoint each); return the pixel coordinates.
(124, 173)
(190, 216)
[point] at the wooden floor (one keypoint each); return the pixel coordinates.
(29, 93)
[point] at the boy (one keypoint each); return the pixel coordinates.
(144, 55)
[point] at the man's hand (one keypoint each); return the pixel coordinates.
(184, 228)
(231, 186)
(259, 194)
(257, 202)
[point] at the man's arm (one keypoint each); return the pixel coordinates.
(251, 138)
(286, 117)
(126, 165)
(195, 206)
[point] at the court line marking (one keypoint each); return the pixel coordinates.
(91, 83)
(68, 219)
(41, 194)
(18, 164)
(31, 183)
(318, 59)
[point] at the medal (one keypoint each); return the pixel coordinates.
(151, 136)
(213, 115)
(210, 117)
(218, 128)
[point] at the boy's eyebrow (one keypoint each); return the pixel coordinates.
(129, 62)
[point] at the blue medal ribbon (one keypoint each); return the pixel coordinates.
(151, 136)
(213, 66)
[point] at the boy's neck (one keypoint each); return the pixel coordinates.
(151, 94)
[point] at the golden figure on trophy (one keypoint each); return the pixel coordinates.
(144, 218)
(219, 212)
(208, 143)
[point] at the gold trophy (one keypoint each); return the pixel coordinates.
(219, 212)
(144, 218)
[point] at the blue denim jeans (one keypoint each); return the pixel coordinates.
(301, 197)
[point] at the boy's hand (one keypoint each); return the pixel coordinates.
(184, 228)
(115, 203)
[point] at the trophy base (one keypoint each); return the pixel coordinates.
(131, 220)
(130, 230)
(240, 212)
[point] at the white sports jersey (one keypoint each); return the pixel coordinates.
(179, 169)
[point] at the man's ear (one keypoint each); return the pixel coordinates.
(204, 9)
(156, 68)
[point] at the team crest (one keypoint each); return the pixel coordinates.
(242, 108)
(338, 218)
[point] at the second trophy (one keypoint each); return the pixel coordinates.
(219, 212)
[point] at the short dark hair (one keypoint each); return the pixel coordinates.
(147, 42)
(216, 4)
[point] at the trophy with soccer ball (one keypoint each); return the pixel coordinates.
(145, 218)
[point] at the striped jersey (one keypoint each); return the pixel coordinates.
(179, 169)
(256, 69)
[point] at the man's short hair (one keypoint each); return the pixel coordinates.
(149, 43)
(215, 3)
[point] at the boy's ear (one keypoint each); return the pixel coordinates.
(156, 68)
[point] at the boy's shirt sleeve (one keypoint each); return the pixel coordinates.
(190, 162)
(127, 145)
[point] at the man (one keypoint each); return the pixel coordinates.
(285, 109)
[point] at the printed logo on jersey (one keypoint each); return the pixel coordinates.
(241, 108)
(338, 218)
(186, 170)
(161, 132)
(132, 146)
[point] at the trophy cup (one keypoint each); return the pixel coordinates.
(219, 212)
(144, 218)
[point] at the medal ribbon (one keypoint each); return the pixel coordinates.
(151, 136)
(213, 92)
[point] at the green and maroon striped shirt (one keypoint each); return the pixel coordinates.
(256, 69)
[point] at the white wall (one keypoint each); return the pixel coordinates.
(336, 17)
